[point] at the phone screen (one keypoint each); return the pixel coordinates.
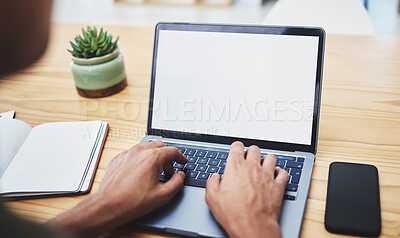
(353, 203)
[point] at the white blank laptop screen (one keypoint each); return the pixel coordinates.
(253, 86)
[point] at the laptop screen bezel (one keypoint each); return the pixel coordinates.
(251, 29)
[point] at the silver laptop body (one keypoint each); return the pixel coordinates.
(192, 67)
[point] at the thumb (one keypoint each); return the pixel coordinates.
(172, 186)
(212, 187)
(281, 178)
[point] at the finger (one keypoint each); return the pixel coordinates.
(168, 168)
(269, 164)
(170, 153)
(213, 183)
(236, 153)
(148, 145)
(153, 144)
(253, 155)
(281, 178)
(172, 186)
(212, 186)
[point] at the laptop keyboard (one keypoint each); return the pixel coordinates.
(203, 163)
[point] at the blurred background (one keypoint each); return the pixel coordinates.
(358, 17)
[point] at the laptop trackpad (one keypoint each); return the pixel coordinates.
(186, 214)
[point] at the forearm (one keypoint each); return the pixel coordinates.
(91, 217)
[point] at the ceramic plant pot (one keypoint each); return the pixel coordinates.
(99, 76)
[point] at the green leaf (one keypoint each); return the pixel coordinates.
(108, 39)
(98, 52)
(94, 44)
(88, 54)
(74, 53)
(86, 43)
(83, 32)
(102, 37)
(106, 47)
(102, 44)
(75, 47)
(80, 45)
(95, 32)
(109, 50)
(116, 41)
(101, 33)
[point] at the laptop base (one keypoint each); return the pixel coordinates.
(188, 214)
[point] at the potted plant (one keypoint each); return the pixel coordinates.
(97, 65)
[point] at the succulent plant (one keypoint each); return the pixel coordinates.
(91, 44)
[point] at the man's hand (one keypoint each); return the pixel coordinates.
(131, 181)
(130, 189)
(247, 201)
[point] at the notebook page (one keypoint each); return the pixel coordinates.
(53, 158)
(12, 135)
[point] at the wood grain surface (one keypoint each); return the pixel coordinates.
(360, 115)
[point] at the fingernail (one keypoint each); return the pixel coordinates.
(182, 174)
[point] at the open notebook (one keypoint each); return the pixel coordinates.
(56, 158)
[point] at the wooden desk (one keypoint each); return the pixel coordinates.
(360, 115)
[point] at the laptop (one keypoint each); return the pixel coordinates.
(215, 84)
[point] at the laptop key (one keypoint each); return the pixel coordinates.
(200, 153)
(295, 179)
(212, 169)
(211, 154)
(178, 166)
(189, 152)
(291, 187)
(190, 166)
(202, 161)
(192, 159)
(222, 163)
(203, 176)
(295, 172)
(195, 182)
(300, 159)
(201, 168)
(222, 156)
(286, 157)
(221, 170)
(296, 165)
(191, 174)
(287, 170)
(182, 150)
(280, 163)
(213, 162)
(289, 197)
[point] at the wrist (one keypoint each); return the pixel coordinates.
(90, 217)
(254, 227)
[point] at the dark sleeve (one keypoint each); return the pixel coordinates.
(16, 227)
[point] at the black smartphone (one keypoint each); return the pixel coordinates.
(353, 201)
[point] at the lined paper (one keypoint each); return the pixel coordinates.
(53, 158)
(12, 134)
